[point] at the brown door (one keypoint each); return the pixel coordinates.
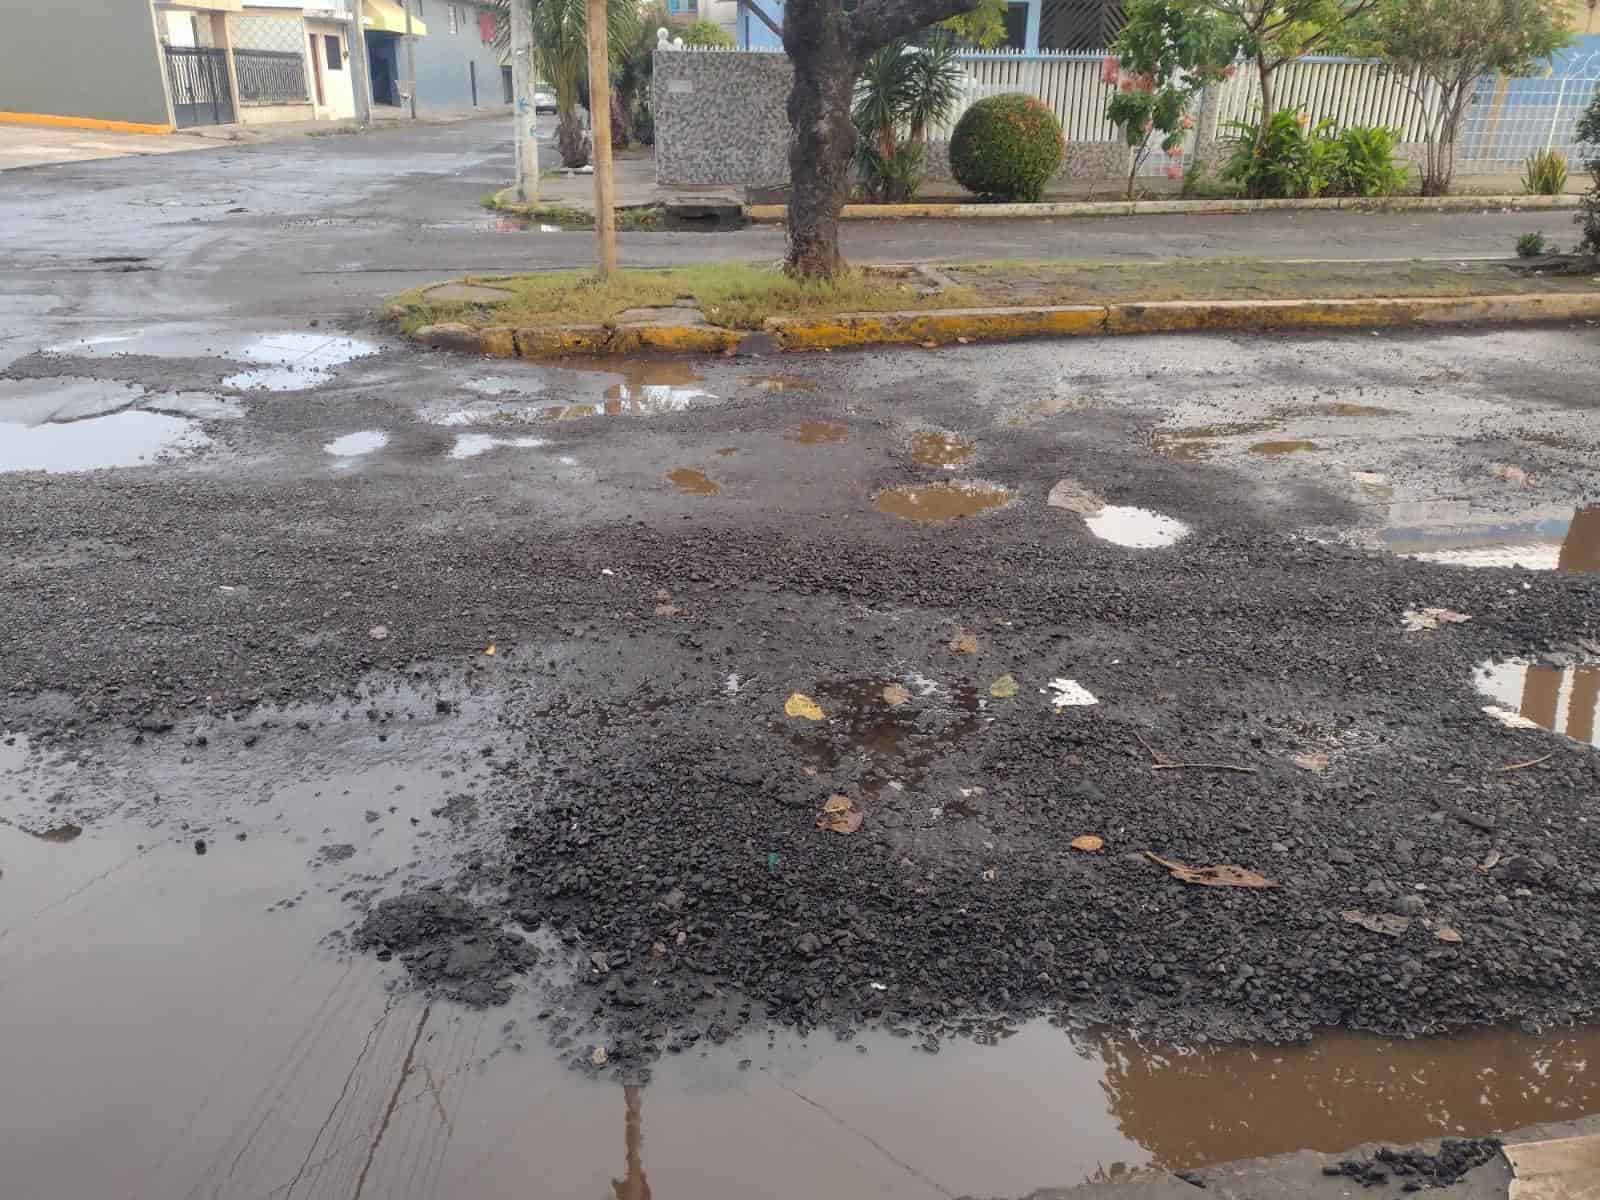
(316, 71)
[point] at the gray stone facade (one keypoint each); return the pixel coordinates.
(720, 118)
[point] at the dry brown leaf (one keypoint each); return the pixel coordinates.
(1422, 620)
(1385, 923)
(895, 695)
(837, 804)
(1087, 843)
(1445, 934)
(490, 650)
(964, 642)
(667, 610)
(844, 822)
(1491, 862)
(1225, 875)
(801, 705)
(663, 597)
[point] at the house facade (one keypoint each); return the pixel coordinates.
(160, 65)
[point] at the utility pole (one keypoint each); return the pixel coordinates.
(411, 56)
(360, 69)
(605, 217)
(526, 116)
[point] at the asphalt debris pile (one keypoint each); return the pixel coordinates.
(1415, 1170)
(450, 947)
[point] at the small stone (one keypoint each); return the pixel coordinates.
(1409, 905)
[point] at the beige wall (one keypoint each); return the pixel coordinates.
(339, 99)
(265, 114)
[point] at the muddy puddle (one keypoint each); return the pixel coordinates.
(355, 445)
(186, 1027)
(1564, 700)
(1568, 542)
(778, 383)
(129, 438)
(471, 445)
(1281, 448)
(693, 483)
(1136, 528)
(932, 448)
(817, 433)
(641, 387)
(941, 502)
(283, 362)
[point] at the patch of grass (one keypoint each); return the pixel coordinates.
(732, 295)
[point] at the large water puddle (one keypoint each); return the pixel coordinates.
(1562, 699)
(215, 1045)
(1136, 528)
(471, 445)
(1536, 543)
(941, 502)
(286, 361)
(643, 386)
(129, 438)
(357, 445)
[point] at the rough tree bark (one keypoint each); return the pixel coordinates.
(827, 47)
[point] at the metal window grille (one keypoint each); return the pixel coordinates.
(271, 77)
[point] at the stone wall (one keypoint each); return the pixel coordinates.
(720, 118)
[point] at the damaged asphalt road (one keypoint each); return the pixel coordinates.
(1152, 592)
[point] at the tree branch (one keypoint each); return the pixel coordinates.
(876, 23)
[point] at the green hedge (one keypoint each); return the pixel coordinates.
(1006, 148)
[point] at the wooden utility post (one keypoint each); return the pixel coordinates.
(605, 217)
(527, 112)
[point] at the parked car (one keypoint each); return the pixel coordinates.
(544, 100)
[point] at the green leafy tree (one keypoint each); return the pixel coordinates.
(1589, 218)
(903, 89)
(561, 58)
(707, 34)
(1165, 55)
(1438, 49)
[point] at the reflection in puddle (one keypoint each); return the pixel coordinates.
(947, 450)
(1561, 699)
(692, 483)
(296, 361)
(778, 383)
(352, 445)
(122, 439)
(470, 445)
(1137, 528)
(35, 401)
(480, 412)
(814, 433)
(502, 385)
(942, 502)
(1279, 448)
(875, 723)
(1197, 443)
(1570, 544)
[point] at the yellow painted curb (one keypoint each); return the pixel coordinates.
(566, 339)
(944, 325)
(1187, 316)
(677, 339)
(1124, 208)
(95, 123)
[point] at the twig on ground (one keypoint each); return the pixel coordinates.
(1532, 762)
(1177, 766)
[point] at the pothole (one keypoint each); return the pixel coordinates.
(288, 361)
(692, 482)
(1563, 700)
(470, 445)
(1278, 449)
(129, 438)
(778, 383)
(932, 448)
(941, 502)
(454, 414)
(886, 730)
(353, 445)
(1197, 443)
(1533, 543)
(815, 433)
(1136, 528)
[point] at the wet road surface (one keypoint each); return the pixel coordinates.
(260, 565)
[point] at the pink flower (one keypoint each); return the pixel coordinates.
(1109, 69)
(1187, 122)
(1174, 172)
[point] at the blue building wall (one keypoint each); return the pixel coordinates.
(447, 62)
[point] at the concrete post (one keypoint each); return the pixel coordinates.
(525, 115)
(411, 56)
(360, 69)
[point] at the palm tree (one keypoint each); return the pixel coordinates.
(561, 57)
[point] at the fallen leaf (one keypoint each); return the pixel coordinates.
(1088, 843)
(490, 650)
(663, 597)
(801, 705)
(1220, 876)
(1069, 693)
(930, 345)
(894, 695)
(1317, 763)
(667, 610)
(846, 820)
(1422, 620)
(599, 1057)
(964, 642)
(837, 804)
(1511, 474)
(1491, 862)
(1003, 688)
(378, 632)
(964, 341)
(990, 875)
(1385, 923)
(1445, 934)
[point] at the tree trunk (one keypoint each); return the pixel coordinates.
(822, 138)
(571, 140)
(1268, 100)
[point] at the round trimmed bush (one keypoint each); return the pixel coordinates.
(1006, 147)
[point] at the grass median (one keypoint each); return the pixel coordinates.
(740, 296)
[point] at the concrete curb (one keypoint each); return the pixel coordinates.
(1139, 208)
(964, 325)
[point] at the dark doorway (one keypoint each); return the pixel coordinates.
(198, 77)
(383, 61)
